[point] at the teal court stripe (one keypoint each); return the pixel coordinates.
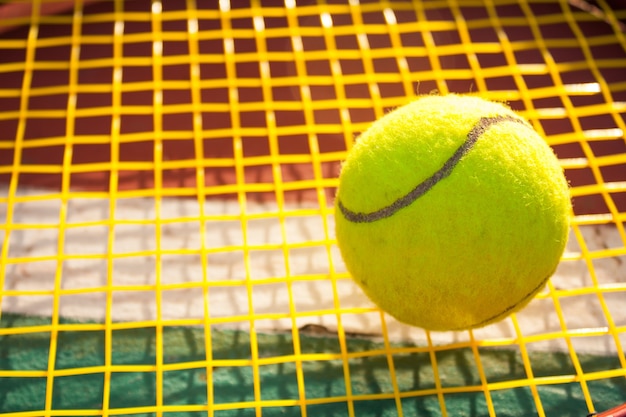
(324, 380)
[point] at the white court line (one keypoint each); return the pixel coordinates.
(310, 295)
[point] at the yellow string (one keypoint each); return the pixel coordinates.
(413, 31)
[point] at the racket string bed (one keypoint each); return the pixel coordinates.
(167, 178)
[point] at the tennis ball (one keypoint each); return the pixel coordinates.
(451, 212)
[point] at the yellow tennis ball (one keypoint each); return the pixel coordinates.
(451, 212)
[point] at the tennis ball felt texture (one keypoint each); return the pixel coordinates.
(451, 212)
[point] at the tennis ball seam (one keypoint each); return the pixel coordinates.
(510, 308)
(422, 188)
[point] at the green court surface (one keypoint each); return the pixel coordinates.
(372, 391)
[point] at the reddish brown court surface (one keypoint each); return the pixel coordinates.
(338, 109)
